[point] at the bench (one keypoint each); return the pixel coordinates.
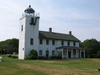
(0, 59)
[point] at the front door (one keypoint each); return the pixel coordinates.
(47, 54)
(69, 54)
(82, 53)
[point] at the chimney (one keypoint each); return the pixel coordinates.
(70, 32)
(50, 29)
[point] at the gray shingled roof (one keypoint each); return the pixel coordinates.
(57, 36)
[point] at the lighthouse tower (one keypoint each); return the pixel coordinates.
(28, 32)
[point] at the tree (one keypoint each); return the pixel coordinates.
(9, 45)
(91, 46)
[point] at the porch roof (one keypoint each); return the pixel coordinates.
(69, 47)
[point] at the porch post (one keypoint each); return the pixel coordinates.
(56, 52)
(76, 53)
(71, 53)
(80, 54)
(62, 53)
(67, 53)
(84, 53)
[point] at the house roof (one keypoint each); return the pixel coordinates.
(57, 36)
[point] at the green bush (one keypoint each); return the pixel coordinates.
(40, 57)
(55, 57)
(98, 54)
(33, 55)
(15, 56)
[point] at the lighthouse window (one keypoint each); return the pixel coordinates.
(31, 41)
(21, 27)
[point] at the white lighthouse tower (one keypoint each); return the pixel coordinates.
(29, 32)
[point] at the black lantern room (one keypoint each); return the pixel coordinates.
(29, 10)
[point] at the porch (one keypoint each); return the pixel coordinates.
(70, 52)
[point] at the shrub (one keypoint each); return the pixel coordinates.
(59, 57)
(53, 57)
(33, 55)
(9, 55)
(26, 58)
(56, 57)
(41, 57)
(15, 56)
(98, 54)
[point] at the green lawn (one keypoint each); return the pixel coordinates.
(11, 66)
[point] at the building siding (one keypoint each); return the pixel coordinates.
(51, 47)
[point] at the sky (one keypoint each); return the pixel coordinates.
(82, 17)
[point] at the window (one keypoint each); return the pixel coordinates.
(62, 42)
(68, 43)
(53, 42)
(74, 43)
(74, 51)
(41, 41)
(47, 41)
(40, 52)
(31, 41)
(32, 19)
(21, 27)
(53, 52)
(64, 52)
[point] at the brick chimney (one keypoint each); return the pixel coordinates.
(70, 32)
(50, 29)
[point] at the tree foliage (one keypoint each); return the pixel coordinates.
(92, 47)
(9, 46)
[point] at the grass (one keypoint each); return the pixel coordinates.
(11, 66)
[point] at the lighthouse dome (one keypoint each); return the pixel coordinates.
(29, 10)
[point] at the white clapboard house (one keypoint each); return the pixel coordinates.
(47, 43)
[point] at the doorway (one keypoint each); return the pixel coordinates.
(47, 54)
(82, 53)
(69, 54)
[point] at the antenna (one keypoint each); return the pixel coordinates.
(29, 1)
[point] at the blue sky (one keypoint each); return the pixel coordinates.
(82, 17)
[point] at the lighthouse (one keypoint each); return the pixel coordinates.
(28, 32)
